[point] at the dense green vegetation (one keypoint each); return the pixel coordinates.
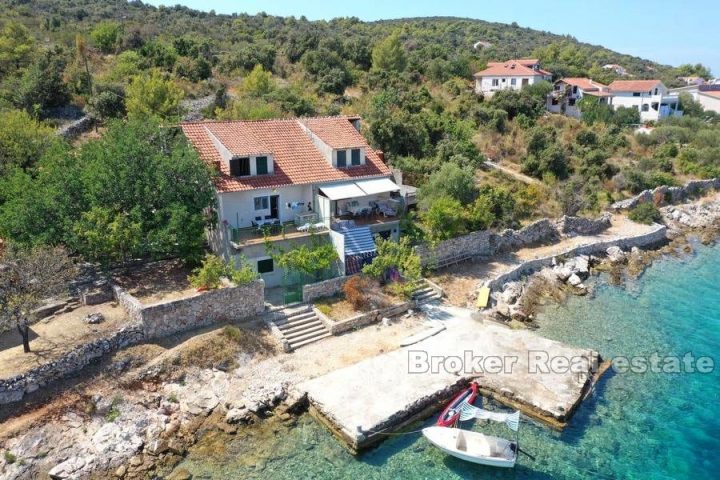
(140, 190)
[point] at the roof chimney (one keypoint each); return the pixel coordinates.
(381, 154)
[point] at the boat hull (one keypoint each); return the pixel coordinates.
(451, 414)
(478, 448)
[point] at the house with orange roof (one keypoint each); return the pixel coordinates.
(512, 74)
(567, 92)
(650, 97)
(707, 95)
(292, 181)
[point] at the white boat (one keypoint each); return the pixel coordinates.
(477, 447)
(473, 447)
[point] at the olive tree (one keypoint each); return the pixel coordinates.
(27, 278)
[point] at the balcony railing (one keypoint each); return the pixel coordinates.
(303, 225)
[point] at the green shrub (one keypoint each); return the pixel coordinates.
(208, 275)
(646, 213)
(233, 333)
(324, 308)
(10, 458)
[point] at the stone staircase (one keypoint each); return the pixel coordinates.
(300, 326)
(424, 293)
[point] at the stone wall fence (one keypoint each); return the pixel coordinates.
(671, 195)
(655, 237)
(15, 388)
(485, 243)
(214, 306)
(326, 288)
(363, 319)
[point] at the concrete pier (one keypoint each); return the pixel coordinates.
(545, 379)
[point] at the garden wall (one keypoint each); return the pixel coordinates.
(14, 389)
(655, 237)
(363, 319)
(326, 288)
(669, 195)
(485, 243)
(207, 308)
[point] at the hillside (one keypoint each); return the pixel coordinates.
(410, 80)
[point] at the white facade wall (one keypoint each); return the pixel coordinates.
(238, 208)
(708, 102)
(485, 85)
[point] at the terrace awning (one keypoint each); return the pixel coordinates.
(377, 185)
(341, 191)
(359, 188)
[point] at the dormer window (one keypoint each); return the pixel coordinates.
(355, 157)
(262, 165)
(341, 158)
(240, 167)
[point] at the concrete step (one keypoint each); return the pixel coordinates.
(421, 292)
(301, 334)
(290, 311)
(299, 323)
(306, 336)
(429, 297)
(297, 345)
(299, 328)
(296, 319)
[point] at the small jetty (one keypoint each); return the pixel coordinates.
(544, 379)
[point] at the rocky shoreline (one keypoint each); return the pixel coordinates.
(517, 302)
(143, 427)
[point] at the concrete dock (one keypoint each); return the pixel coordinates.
(545, 379)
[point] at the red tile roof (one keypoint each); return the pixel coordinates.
(583, 83)
(512, 68)
(297, 161)
(335, 134)
(633, 85)
(711, 93)
(238, 138)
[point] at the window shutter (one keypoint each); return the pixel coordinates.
(341, 158)
(239, 167)
(355, 156)
(262, 165)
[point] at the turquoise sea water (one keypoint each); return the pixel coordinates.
(635, 426)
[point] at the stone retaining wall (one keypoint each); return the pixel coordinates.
(14, 389)
(363, 319)
(326, 288)
(655, 237)
(583, 226)
(207, 308)
(74, 129)
(537, 233)
(671, 195)
(485, 243)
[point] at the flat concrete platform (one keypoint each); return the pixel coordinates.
(381, 394)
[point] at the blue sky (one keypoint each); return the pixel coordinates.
(668, 32)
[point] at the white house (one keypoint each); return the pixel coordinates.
(618, 69)
(513, 74)
(707, 95)
(650, 97)
(568, 91)
(294, 181)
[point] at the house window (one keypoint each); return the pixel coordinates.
(240, 167)
(265, 266)
(355, 156)
(554, 101)
(636, 94)
(262, 165)
(656, 91)
(574, 89)
(571, 102)
(341, 159)
(504, 80)
(262, 203)
(646, 108)
(513, 81)
(495, 82)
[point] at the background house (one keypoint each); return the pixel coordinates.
(513, 74)
(568, 91)
(295, 181)
(650, 97)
